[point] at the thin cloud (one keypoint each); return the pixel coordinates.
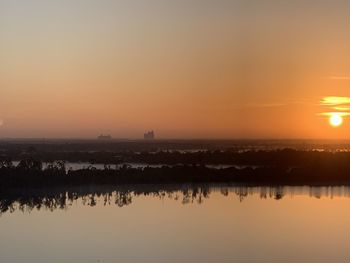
(339, 77)
(334, 101)
(275, 104)
(335, 105)
(342, 114)
(342, 108)
(265, 105)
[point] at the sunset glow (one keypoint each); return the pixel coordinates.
(226, 69)
(336, 120)
(174, 131)
(338, 109)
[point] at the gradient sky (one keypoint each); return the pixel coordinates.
(186, 68)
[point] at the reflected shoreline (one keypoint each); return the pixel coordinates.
(32, 174)
(28, 199)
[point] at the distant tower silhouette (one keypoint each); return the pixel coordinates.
(149, 135)
(104, 137)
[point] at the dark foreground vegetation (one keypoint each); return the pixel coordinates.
(327, 169)
(178, 162)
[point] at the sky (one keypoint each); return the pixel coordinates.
(186, 69)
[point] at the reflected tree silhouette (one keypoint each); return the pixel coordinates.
(62, 199)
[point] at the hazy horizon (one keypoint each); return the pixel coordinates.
(186, 69)
(174, 131)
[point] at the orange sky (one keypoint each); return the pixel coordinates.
(190, 69)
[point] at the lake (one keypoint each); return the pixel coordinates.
(177, 224)
(74, 166)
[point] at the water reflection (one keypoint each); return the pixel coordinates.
(52, 199)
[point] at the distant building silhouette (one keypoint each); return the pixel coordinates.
(149, 135)
(104, 137)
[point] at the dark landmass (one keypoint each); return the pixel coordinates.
(313, 169)
(183, 173)
(170, 152)
(156, 151)
(177, 165)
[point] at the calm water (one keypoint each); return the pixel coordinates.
(84, 165)
(178, 224)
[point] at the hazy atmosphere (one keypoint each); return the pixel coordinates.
(187, 69)
(211, 131)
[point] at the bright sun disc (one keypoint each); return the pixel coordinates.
(336, 120)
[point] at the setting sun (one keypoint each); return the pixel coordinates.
(336, 120)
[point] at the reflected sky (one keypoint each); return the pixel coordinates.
(156, 228)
